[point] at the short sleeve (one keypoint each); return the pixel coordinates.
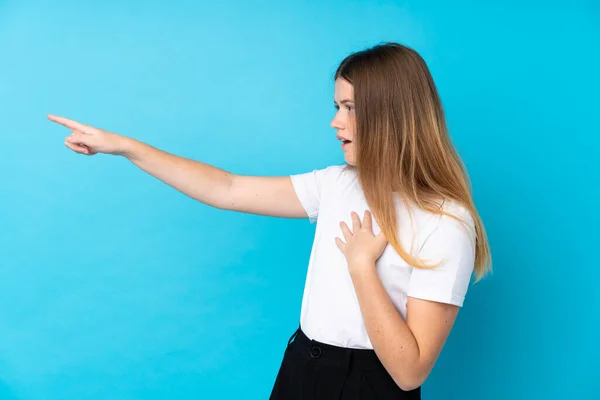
(451, 244)
(311, 186)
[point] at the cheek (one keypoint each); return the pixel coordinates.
(351, 124)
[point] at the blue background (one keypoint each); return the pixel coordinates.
(115, 286)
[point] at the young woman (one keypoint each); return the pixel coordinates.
(381, 294)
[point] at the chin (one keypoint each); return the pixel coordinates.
(350, 161)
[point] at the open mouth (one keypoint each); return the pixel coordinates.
(344, 140)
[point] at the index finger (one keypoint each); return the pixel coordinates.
(367, 221)
(69, 123)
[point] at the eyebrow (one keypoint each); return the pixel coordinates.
(343, 101)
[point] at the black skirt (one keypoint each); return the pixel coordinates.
(313, 370)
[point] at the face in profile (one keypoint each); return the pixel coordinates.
(344, 119)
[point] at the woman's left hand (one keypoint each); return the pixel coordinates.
(362, 248)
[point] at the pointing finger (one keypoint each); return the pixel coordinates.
(69, 123)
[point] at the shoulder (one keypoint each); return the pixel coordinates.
(448, 232)
(335, 172)
(456, 212)
(451, 215)
(329, 174)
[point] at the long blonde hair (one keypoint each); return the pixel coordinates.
(400, 122)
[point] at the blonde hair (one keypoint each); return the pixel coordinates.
(400, 122)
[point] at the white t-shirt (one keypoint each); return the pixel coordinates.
(330, 309)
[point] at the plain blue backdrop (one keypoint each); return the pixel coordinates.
(115, 286)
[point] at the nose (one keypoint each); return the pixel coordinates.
(337, 123)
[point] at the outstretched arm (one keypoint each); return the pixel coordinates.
(264, 195)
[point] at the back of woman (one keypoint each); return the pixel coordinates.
(381, 299)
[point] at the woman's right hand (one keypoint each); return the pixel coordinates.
(85, 139)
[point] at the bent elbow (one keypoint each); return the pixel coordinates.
(409, 386)
(409, 383)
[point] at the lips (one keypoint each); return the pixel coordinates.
(343, 139)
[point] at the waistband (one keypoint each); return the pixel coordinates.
(310, 348)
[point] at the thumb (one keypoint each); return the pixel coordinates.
(78, 138)
(381, 238)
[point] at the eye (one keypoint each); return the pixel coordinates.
(350, 108)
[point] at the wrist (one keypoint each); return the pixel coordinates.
(126, 147)
(361, 268)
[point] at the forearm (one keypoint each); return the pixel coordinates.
(203, 182)
(390, 336)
